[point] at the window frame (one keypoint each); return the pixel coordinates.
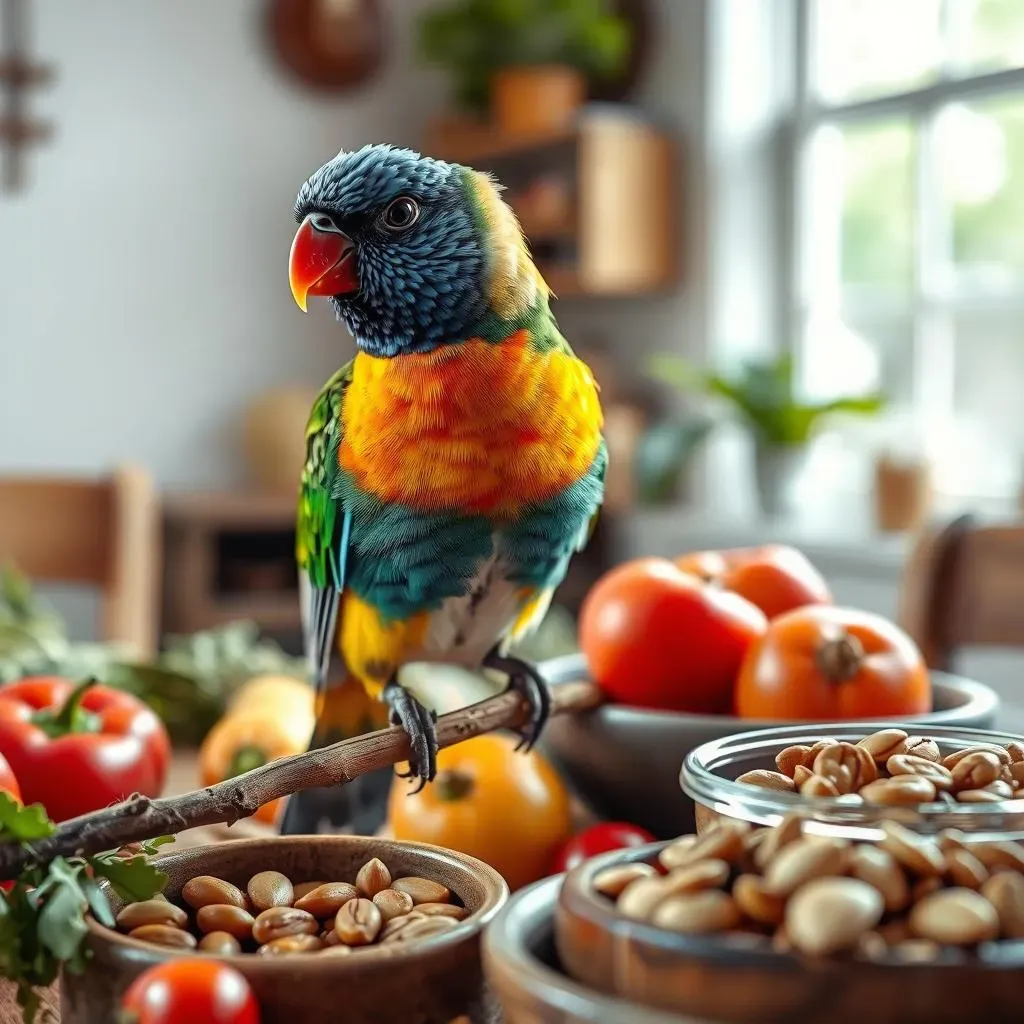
(933, 305)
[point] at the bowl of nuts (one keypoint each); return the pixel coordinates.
(314, 923)
(755, 925)
(857, 774)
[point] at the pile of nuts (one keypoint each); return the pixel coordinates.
(894, 769)
(274, 916)
(907, 896)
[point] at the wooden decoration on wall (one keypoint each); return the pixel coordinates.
(18, 73)
(328, 45)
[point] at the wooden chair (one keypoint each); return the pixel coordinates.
(101, 532)
(964, 586)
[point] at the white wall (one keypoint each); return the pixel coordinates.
(143, 289)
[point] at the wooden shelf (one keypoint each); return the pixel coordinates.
(479, 145)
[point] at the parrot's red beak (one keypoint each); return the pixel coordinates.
(322, 261)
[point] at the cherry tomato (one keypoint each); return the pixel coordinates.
(190, 991)
(600, 838)
(657, 637)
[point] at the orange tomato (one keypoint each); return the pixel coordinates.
(827, 663)
(775, 577)
(657, 637)
(508, 809)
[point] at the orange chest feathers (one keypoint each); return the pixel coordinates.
(476, 427)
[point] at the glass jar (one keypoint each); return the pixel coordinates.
(709, 772)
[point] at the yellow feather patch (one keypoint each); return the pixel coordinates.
(372, 649)
(513, 280)
(535, 608)
(476, 427)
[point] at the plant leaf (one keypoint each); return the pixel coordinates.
(133, 879)
(98, 902)
(61, 920)
(150, 846)
(23, 823)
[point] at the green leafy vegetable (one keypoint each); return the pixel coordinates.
(133, 879)
(23, 823)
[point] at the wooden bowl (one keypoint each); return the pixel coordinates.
(416, 983)
(742, 980)
(522, 967)
(624, 762)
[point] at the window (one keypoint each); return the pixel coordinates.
(909, 177)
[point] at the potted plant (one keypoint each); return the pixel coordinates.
(764, 395)
(528, 61)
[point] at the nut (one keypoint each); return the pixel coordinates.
(980, 796)
(997, 856)
(786, 760)
(1005, 891)
(801, 774)
(358, 922)
(879, 868)
(802, 860)
(291, 944)
(976, 770)
(1016, 752)
(456, 913)
(768, 780)
(883, 744)
(919, 854)
(270, 889)
(950, 761)
(164, 935)
(135, 915)
(205, 889)
(422, 890)
(899, 791)
(724, 841)
(762, 906)
(788, 829)
(280, 922)
(392, 903)
(964, 869)
(699, 913)
(373, 877)
(397, 924)
(639, 898)
(418, 928)
(220, 944)
(302, 888)
(819, 786)
(676, 853)
(707, 874)
(841, 765)
(327, 899)
(224, 917)
(920, 746)
(831, 914)
(955, 917)
(910, 764)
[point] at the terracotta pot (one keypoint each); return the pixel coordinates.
(427, 982)
(536, 100)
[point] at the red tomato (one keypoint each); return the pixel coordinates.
(775, 577)
(657, 637)
(600, 838)
(77, 749)
(8, 783)
(190, 991)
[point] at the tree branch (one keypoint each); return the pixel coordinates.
(141, 817)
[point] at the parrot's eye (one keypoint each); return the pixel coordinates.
(401, 214)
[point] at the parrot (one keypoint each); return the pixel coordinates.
(455, 465)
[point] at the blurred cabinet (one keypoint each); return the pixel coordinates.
(598, 204)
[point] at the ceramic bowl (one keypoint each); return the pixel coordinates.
(740, 979)
(709, 774)
(624, 762)
(522, 967)
(428, 982)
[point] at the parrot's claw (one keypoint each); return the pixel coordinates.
(418, 723)
(527, 681)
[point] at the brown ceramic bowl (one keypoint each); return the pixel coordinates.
(740, 979)
(522, 967)
(430, 982)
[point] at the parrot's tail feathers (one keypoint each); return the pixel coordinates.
(320, 621)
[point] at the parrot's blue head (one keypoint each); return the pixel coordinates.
(397, 242)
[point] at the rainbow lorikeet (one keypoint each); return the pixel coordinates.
(456, 464)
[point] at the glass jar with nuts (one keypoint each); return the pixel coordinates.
(903, 898)
(860, 775)
(275, 915)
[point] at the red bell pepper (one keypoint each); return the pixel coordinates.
(75, 749)
(8, 783)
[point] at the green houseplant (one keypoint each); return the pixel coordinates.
(527, 59)
(764, 395)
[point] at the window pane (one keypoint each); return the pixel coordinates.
(981, 173)
(987, 35)
(989, 372)
(846, 356)
(860, 221)
(863, 48)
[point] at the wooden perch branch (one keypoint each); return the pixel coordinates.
(141, 817)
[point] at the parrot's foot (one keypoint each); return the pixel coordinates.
(527, 681)
(418, 724)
